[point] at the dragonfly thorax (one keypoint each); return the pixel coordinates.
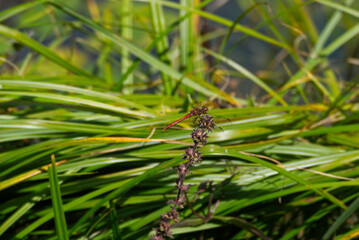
(198, 111)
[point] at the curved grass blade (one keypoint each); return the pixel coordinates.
(18, 9)
(247, 74)
(116, 188)
(21, 211)
(23, 177)
(241, 223)
(340, 7)
(318, 51)
(53, 86)
(60, 99)
(224, 22)
(155, 42)
(286, 173)
(145, 56)
(38, 47)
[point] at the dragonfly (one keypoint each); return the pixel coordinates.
(195, 112)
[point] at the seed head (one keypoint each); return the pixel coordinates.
(199, 136)
(206, 122)
(192, 155)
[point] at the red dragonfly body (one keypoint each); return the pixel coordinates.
(195, 112)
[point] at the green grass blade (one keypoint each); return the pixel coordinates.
(126, 33)
(60, 221)
(114, 221)
(247, 74)
(23, 84)
(38, 47)
(225, 22)
(162, 46)
(18, 9)
(11, 220)
(340, 7)
(328, 30)
(124, 189)
(342, 218)
(154, 62)
(340, 41)
(289, 175)
(60, 99)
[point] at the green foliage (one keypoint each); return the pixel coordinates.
(59, 215)
(93, 83)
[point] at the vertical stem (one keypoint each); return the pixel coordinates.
(126, 33)
(180, 192)
(162, 46)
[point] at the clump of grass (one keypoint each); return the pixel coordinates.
(199, 136)
(72, 82)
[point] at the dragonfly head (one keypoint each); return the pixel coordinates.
(204, 110)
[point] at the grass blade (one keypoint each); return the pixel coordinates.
(342, 218)
(38, 47)
(154, 62)
(60, 221)
(126, 33)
